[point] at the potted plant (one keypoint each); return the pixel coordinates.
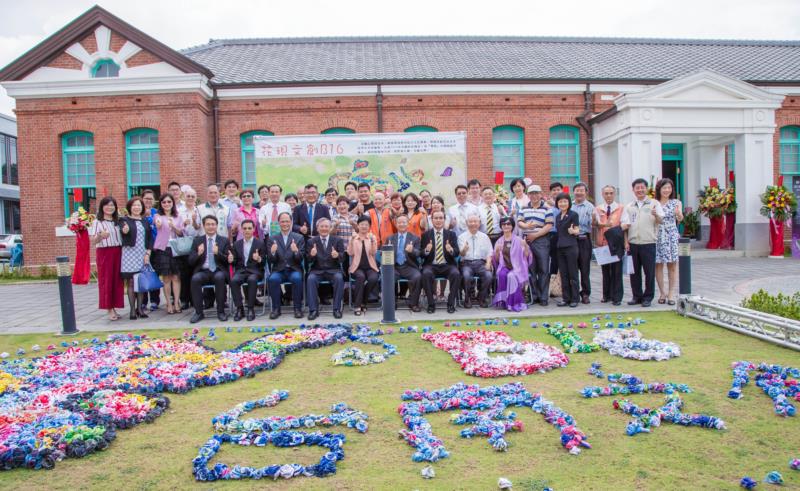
(777, 204)
(691, 223)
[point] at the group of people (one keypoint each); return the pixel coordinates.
(280, 243)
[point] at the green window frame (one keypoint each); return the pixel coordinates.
(78, 168)
(339, 130)
(565, 158)
(105, 69)
(420, 129)
(249, 157)
(508, 151)
(790, 151)
(143, 160)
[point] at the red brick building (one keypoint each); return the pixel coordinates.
(105, 108)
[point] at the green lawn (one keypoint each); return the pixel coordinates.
(158, 456)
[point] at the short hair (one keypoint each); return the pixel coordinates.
(565, 196)
(310, 186)
(290, 196)
(460, 186)
(473, 215)
(402, 215)
(342, 198)
(276, 185)
(280, 215)
(663, 182)
(556, 184)
(350, 183)
(490, 188)
(263, 186)
(607, 186)
(247, 220)
(473, 182)
(229, 182)
(396, 195)
(439, 199)
(211, 217)
(505, 220)
(364, 218)
(246, 191)
(580, 184)
(148, 191)
(639, 180)
(424, 191)
(438, 211)
(130, 203)
(173, 212)
(331, 190)
(212, 185)
(515, 181)
(173, 183)
(364, 185)
(323, 219)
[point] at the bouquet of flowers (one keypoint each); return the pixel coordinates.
(80, 220)
(778, 203)
(713, 200)
(730, 200)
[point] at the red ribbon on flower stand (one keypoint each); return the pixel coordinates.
(716, 232)
(730, 222)
(82, 266)
(775, 238)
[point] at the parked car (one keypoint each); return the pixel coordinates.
(7, 243)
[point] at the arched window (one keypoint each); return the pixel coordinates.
(143, 158)
(790, 151)
(338, 131)
(421, 129)
(77, 156)
(249, 158)
(105, 69)
(508, 149)
(565, 162)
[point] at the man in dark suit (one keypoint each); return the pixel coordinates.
(306, 216)
(209, 262)
(406, 253)
(439, 250)
(324, 254)
(247, 256)
(285, 254)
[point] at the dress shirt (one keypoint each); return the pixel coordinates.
(480, 246)
(246, 246)
(483, 211)
(210, 259)
(459, 214)
(584, 210)
(265, 215)
(223, 214)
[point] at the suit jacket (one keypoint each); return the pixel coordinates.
(198, 261)
(129, 239)
(412, 258)
(300, 217)
(615, 237)
(449, 238)
(354, 251)
(284, 258)
(241, 263)
(323, 260)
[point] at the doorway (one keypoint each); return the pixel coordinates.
(672, 166)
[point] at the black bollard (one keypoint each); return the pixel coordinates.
(65, 294)
(387, 285)
(685, 266)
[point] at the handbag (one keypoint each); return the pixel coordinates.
(146, 280)
(181, 246)
(627, 264)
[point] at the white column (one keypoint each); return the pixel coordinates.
(639, 156)
(710, 163)
(753, 174)
(606, 168)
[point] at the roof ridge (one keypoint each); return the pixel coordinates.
(212, 43)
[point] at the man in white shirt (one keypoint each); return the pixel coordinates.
(175, 190)
(269, 213)
(461, 210)
(214, 207)
(231, 199)
(474, 192)
(640, 220)
(490, 214)
(476, 261)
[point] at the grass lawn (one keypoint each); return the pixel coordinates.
(158, 455)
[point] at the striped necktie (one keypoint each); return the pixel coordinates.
(489, 220)
(439, 249)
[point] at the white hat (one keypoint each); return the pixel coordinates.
(534, 188)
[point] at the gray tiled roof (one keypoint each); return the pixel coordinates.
(289, 60)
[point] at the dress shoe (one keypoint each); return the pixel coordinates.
(313, 315)
(585, 299)
(197, 318)
(237, 316)
(337, 314)
(467, 304)
(616, 304)
(451, 309)
(251, 315)
(485, 304)
(415, 308)
(274, 314)
(646, 303)
(186, 306)
(604, 300)
(634, 302)
(298, 314)
(431, 309)
(573, 304)
(142, 315)
(544, 303)
(222, 316)
(562, 304)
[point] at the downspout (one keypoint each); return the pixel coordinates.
(588, 110)
(215, 129)
(379, 100)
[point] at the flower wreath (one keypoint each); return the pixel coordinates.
(630, 344)
(484, 408)
(354, 356)
(774, 380)
(471, 349)
(569, 339)
(279, 431)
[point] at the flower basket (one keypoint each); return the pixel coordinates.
(778, 204)
(714, 204)
(80, 222)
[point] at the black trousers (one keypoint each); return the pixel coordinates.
(568, 267)
(186, 278)
(449, 271)
(155, 296)
(206, 277)
(471, 269)
(335, 277)
(644, 259)
(363, 279)
(585, 264)
(414, 279)
(540, 269)
(553, 253)
(250, 281)
(612, 281)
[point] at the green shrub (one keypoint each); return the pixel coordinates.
(780, 304)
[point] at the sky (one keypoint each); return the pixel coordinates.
(181, 24)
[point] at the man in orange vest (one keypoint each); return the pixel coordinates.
(608, 215)
(382, 220)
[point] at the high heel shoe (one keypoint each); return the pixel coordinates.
(142, 315)
(133, 315)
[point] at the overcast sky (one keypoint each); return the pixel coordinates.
(181, 24)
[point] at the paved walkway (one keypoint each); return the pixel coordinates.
(35, 307)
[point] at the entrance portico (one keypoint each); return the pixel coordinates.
(695, 117)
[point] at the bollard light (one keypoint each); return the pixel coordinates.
(685, 266)
(64, 271)
(388, 284)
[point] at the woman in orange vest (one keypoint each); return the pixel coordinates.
(417, 217)
(382, 226)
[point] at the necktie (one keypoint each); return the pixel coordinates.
(401, 252)
(473, 251)
(439, 249)
(212, 263)
(608, 214)
(310, 219)
(489, 220)
(325, 244)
